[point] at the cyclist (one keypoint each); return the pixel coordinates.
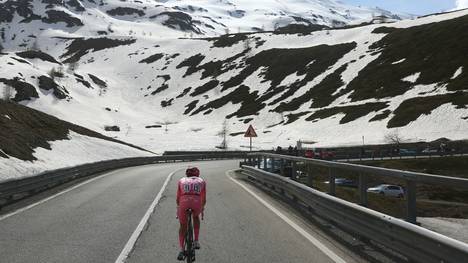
(191, 193)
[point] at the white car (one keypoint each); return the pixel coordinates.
(429, 150)
(387, 190)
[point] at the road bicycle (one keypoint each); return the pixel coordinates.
(189, 248)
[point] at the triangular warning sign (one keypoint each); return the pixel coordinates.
(250, 132)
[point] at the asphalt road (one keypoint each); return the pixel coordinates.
(94, 222)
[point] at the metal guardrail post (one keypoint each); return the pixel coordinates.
(411, 209)
(273, 168)
(331, 173)
(294, 170)
(310, 175)
(282, 168)
(363, 189)
(259, 160)
(265, 163)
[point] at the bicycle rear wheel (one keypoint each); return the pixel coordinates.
(189, 240)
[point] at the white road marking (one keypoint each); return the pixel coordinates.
(54, 196)
(134, 237)
(299, 229)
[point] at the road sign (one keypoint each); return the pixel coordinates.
(250, 132)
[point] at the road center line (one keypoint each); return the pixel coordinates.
(286, 219)
(134, 237)
(3, 217)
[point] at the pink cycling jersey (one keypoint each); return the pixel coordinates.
(191, 193)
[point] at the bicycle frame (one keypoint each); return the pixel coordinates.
(190, 251)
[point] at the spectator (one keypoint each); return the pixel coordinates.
(442, 148)
(279, 150)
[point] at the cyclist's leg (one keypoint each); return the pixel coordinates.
(182, 232)
(196, 226)
(196, 223)
(183, 225)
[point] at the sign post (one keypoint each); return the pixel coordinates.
(250, 133)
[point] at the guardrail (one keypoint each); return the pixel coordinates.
(411, 178)
(12, 190)
(414, 242)
(377, 157)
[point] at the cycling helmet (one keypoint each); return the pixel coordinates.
(192, 172)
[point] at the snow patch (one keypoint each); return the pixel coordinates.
(413, 78)
(78, 150)
(457, 73)
(399, 61)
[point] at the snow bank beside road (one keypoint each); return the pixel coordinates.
(79, 149)
(456, 228)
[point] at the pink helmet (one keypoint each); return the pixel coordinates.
(192, 172)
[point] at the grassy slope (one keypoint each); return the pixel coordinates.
(26, 129)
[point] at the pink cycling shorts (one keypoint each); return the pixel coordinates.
(186, 202)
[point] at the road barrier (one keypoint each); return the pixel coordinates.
(13, 190)
(411, 241)
(411, 178)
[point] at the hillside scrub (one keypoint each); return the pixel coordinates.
(351, 112)
(191, 63)
(241, 95)
(47, 83)
(98, 81)
(24, 90)
(205, 88)
(227, 40)
(413, 108)
(123, 11)
(435, 50)
(321, 95)
(55, 16)
(81, 46)
(212, 68)
(280, 63)
(152, 58)
(33, 54)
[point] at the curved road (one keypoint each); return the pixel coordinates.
(96, 220)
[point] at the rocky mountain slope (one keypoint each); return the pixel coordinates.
(173, 92)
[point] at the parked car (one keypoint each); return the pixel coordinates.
(309, 154)
(269, 165)
(429, 151)
(344, 182)
(407, 152)
(326, 154)
(387, 190)
(323, 154)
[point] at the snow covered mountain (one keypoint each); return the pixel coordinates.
(25, 20)
(166, 91)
